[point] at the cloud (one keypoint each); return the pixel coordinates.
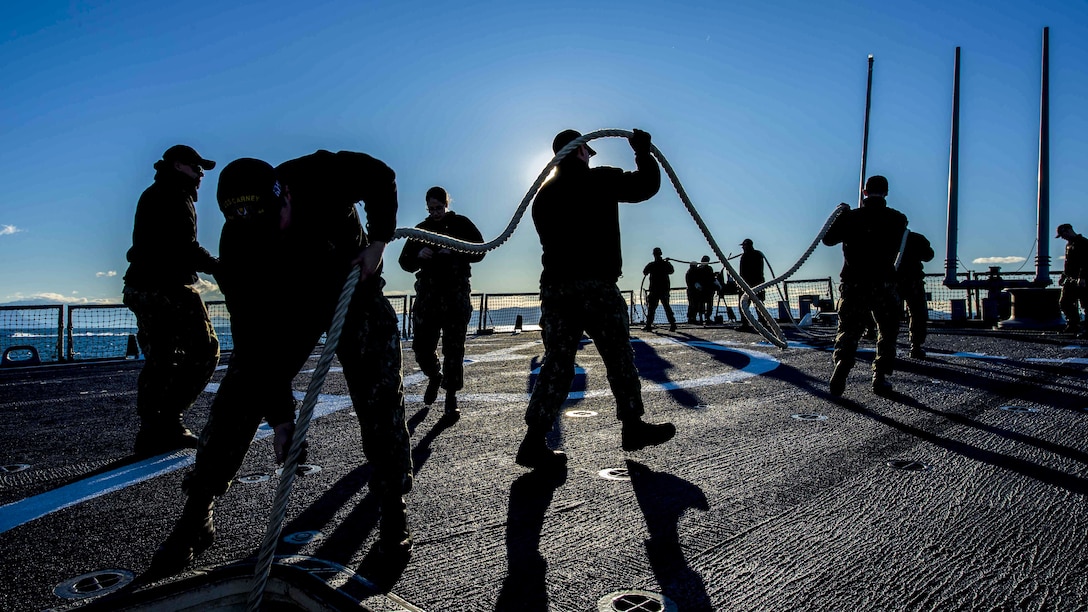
(109, 274)
(54, 298)
(7, 230)
(998, 260)
(208, 290)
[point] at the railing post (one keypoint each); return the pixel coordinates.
(70, 353)
(60, 333)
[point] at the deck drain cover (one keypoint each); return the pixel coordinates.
(303, 470)
(303, 537)
(635, 601)
(581, 414)
(614, 474)
(807, 416)
(1024, 409)
(13, 468)
(908, 464)
(253, 478)
(93, 584)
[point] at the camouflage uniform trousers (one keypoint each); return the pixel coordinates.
(442, 312)
(1073, 297)
(180, 351)
(652, 298)
(258, 385)
(860, 303)
(914, 294)
(567, 309)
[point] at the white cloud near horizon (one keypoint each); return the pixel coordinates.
(207, 290)
(998, 260)
(7, 230)
(48, 297)
(108, 274)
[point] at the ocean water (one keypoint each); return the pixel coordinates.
(91, 343)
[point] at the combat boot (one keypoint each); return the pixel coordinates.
(535, 454)
(881, 386)
(192, 535)
(672, 326)
(638, 434)
(431, 394)
(917, 352)
(394, 538)
(647, 327)
(838, 379)
(452, 413)
(157, 436)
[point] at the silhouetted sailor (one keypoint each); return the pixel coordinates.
(870, 236)
(443, 304)
(1074, 278)
(291, 236)
(174, 331)
(658, 270)
(751, 270)
(912, 290)
(577, 218)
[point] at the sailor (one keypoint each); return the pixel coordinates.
(1074, 278)
(174, 331)
(291, 236)
(705, 283)
(658, 270)
(912, 289)
(870, 236)
(443, 304)
(694, 293)
(577, 218)
(751, 270)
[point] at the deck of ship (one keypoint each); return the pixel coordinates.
(965, 490)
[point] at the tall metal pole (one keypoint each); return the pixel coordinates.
(1042, 261)
(952, 229)
(865, 134)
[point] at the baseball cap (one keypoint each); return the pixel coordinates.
(187, 155)
(248, 188)
(746, 241)
(705, 258)
(563, 138)
(1063, 226)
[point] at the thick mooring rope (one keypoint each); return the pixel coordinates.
(841, 208)
(773, 335)
(302, 425)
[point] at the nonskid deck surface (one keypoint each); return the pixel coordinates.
(966, 489)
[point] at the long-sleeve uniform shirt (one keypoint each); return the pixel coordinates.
(577, 217)
(446, 269)
(659, 270)
(165, 251)
(870, 237)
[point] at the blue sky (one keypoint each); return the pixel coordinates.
(757, 105)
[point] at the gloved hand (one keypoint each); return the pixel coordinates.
(281, 443)
(640, 141)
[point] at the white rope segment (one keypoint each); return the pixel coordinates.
(775, 337)
(841, 208)
(302, 425)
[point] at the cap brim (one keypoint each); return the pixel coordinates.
(590, 149)
(207, 164)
